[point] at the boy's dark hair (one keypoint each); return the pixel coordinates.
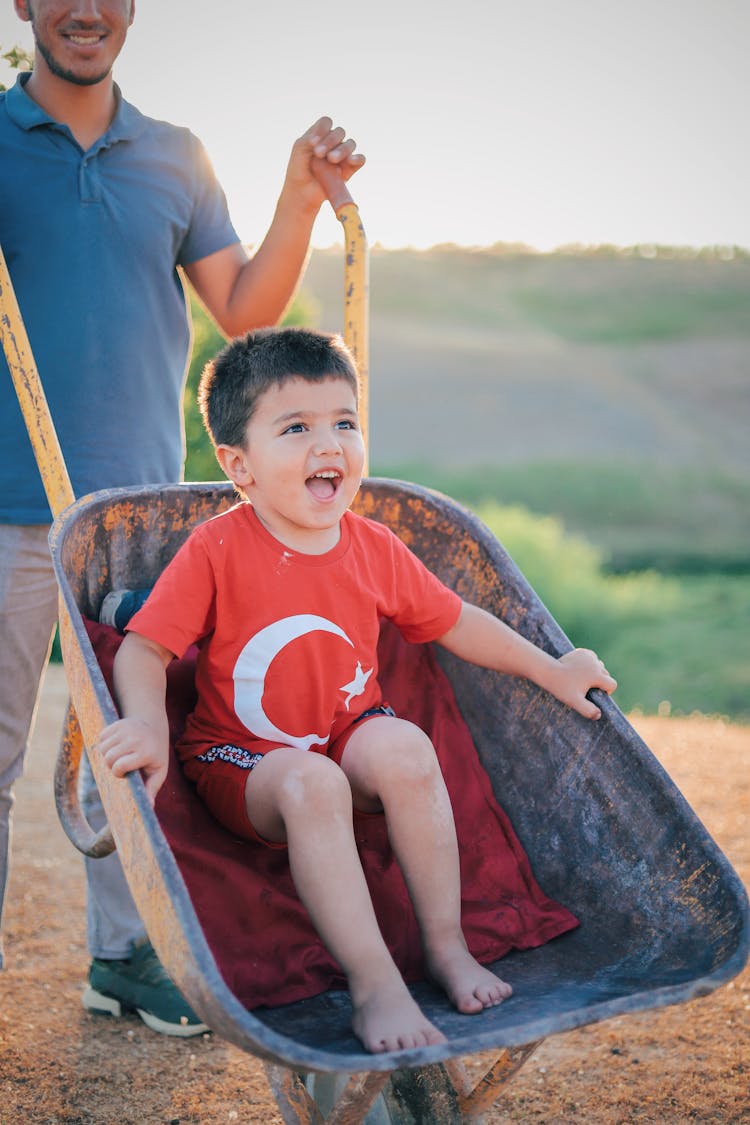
(234, 380)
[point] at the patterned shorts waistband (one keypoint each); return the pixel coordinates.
(235, 755)
(248, 759)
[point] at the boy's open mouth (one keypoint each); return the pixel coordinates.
(324, 484)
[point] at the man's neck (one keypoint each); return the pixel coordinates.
(86, 110)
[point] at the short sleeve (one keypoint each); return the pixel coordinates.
(210, 228)
(424, 608)
(180, 610)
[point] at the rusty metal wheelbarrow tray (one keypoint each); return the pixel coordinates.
(664, 917)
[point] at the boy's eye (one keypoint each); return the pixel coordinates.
(346, 424)
(295, 428)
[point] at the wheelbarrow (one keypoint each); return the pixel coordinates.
(663, 918)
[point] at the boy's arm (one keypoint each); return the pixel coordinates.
(482, 639)
(140, 739)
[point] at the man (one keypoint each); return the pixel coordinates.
(99, 205)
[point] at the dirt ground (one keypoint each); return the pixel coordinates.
(61, 1066)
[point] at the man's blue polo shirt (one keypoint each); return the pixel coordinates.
(92, 241)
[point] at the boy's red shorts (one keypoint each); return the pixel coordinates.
(220, 775)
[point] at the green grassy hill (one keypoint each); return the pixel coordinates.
(609, 388)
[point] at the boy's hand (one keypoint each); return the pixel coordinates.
(133, 744)
(577, 672)
(328, 143)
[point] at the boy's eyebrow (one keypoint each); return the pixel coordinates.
(288, 415)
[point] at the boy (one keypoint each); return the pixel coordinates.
(284, 594)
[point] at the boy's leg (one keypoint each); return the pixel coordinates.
(391, 764)
(304, 799)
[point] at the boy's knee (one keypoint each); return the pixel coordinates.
(411, 756)
(315, 780)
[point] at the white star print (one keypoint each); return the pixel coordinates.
(357, 686)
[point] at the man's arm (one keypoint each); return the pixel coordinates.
(242, 293)
(482, 639)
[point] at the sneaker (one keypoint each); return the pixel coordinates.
(120, 605)
(140, 984)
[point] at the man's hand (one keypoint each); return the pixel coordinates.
(327, 143)
(133, 744)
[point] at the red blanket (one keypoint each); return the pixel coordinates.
(259, 932)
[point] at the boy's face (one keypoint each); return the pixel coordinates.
(302, 461)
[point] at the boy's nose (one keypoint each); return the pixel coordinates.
(327, 443)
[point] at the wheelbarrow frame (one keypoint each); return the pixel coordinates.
(664, 916)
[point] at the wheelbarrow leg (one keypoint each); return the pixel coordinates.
(294, 1103)
(337, 1099)
(476, 1099)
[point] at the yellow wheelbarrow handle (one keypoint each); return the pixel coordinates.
(31, 397)
(356, 281)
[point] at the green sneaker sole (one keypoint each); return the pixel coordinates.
(100, 1004)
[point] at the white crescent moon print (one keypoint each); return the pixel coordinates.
(252, 667)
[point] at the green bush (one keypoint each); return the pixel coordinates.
(675, 644)
(568, 574)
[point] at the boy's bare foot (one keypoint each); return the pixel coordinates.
(468, 985)
(388, 1019)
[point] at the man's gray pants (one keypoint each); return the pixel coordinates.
(28, 612)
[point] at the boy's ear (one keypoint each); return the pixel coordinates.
(234, 464)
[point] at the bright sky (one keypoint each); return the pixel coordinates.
(539, 121)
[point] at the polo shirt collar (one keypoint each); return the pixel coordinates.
(127, 124)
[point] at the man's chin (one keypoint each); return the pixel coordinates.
(75, 77)
(87, 80)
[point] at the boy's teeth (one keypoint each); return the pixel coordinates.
(327, 480)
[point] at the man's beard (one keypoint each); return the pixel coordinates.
(61, 72)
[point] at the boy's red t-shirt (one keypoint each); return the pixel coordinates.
(287, 641)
